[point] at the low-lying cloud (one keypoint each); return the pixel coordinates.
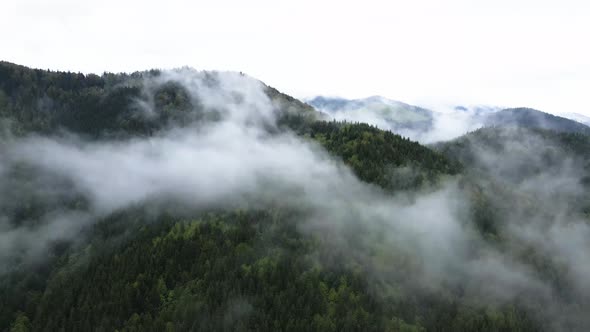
(235, 159)
(418, 124)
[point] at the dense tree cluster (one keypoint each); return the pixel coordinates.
(230, 271)
(242, 269)
(107, 106)
(376, 156)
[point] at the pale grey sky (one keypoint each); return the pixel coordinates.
(428, 52)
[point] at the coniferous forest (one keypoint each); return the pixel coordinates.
(186, 200)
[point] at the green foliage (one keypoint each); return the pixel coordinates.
(210, 274)
(111, 105)
(21, 324)
(376, 155)
(236, 271)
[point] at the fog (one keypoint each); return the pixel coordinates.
(440, 123)
(447, 124)
(540, 195)
(235, 160)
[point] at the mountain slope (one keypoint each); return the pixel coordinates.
(159, 263)
(428, 126)
(382, 112)
(184, 200)
(34, 100)
(530, 118)
(583, 119)
(530, 171)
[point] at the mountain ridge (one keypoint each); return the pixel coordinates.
(393, 115)
(200, 201)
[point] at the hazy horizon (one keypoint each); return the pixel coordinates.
(194, 185)
(424, 53)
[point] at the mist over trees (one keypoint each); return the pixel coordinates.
(444, 122)
(184, 200)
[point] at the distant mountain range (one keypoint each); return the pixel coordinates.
(376, 110)
(531, 118)
(418, 123)
(478, 109)
(578, 117)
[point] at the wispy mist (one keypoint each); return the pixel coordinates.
(234, 159)
(417, 123)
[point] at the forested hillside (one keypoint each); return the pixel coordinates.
(376, 110)
(531, 118)
(184, 200)
(442, 123)
(40, 101)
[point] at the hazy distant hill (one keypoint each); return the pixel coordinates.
(382, 112)
(418, 123)
(534, 150)
(531, 118)
(477, 109)
(577, 117)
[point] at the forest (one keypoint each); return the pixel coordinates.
(208, 201)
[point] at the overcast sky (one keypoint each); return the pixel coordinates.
(532, 53)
